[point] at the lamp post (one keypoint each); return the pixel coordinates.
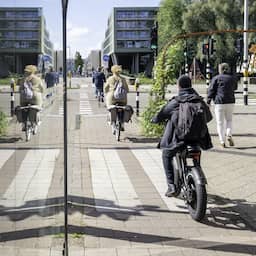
(64, 41)
(245, 59)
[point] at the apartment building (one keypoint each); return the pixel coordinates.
(24, 39)
(127, 38)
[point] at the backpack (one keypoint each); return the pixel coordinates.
(119, 91)
(192, 124)
(27, 91)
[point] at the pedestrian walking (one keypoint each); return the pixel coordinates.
(221, 91)
(99, 79)
(50, 80)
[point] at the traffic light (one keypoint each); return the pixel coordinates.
(153, 36)
(205, 49)
(211, 46)
(239, 45)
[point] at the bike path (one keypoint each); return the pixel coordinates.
(128, 215)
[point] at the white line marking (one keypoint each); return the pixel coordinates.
(151, 161)
(4, 156)
(33, 179)
(112, 187)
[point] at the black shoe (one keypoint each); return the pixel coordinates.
(170, 191)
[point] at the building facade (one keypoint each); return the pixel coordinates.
(92, 62)
(24, 39)
(127, 38)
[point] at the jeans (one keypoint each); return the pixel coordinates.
(223, 113)
(167, 156)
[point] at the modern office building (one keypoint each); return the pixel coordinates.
(127, 38)
(24, 39)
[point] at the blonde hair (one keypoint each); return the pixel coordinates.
(116, 68)
(30, 69)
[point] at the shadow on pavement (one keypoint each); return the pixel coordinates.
(6, 139)
(222, 214)
(222, 211)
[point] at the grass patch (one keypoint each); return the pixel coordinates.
(3, 123)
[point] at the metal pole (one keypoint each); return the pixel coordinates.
(64, 33)
(12, 96)
(186, 58)
(245, 60)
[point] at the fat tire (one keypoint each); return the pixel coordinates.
(197, 208)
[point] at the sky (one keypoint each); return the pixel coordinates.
(86, 20)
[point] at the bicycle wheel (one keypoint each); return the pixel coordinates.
(196, 196)
(118, 130)
(27, 131)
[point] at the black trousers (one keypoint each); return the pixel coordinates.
(167, 156)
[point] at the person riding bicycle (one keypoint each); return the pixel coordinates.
(31, 89)
(170, 143)
(111, 85)
(99, 79)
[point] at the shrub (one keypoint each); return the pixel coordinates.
(167, 66)
(3, 123)
(149, 129)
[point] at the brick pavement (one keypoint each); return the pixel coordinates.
(153, 230)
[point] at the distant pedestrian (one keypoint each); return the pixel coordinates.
(50, 78)
(221, 91)
(99, 79)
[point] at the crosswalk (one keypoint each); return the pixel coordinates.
(33, 178)
(240, 102)
(84, 106)
(114, 190)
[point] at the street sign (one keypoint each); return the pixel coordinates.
(106, 58)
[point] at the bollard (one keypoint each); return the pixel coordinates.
(137, 82)
(12, 96)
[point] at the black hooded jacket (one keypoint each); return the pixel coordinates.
(170, 113)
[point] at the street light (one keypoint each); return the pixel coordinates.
(64, 41)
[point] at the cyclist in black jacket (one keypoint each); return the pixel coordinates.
(170, 142)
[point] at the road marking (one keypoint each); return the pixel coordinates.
(61, 110)
(151, 161)
(84, 86)
(4, 156)
(240, 102)
(112, 188)
(33, 178)
(84, 107)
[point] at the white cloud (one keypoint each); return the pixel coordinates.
(75, 32)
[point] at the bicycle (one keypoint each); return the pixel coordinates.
(190, 181)
(29, 117)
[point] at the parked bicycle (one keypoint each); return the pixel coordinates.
(190, 181)
(29, 117)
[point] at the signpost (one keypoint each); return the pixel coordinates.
(105, 60)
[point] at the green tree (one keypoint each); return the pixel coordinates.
(79, 63)
(169, 19)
